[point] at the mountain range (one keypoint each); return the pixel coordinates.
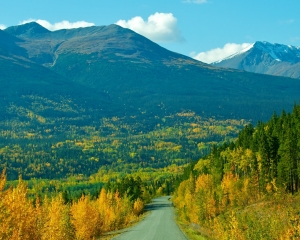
(111, 71)
(265, 58)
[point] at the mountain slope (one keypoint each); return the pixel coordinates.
(131, 75)
(9, 45)
(29, 87)
(138, 74)
(61, 90)
(266, 58)
(103, 40)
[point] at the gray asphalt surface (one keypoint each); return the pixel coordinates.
(159, 224)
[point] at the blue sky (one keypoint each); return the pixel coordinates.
(214, 28)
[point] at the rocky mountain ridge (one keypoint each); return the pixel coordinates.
(266, 58)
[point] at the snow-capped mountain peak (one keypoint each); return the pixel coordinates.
(280, 52)
(235, 54)
(267, 58)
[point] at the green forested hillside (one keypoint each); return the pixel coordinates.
(248, 189)
(36, 89)
(121, 73)
(177, 85)
(35, 146)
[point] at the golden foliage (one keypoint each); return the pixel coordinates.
(20, 219)
(232, 210)
(85, 218)
(138, 207)
(56, 220)
(17, 215)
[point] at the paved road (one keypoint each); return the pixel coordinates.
(158, 225)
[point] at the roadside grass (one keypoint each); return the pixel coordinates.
(189, 231)
(111, 235)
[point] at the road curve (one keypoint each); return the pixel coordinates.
(158, 225)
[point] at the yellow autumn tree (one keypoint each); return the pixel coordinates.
(17, 215)
(229, 190)
(102, 205)
(204, 198)
(123, 210)
(184, 199)
(138, 207)
(57, 220)
(2, 181)
(85, 218)
(110, 213)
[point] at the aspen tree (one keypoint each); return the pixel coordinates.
(84, 219)
(138, 207)
(57, 225)
(19, 222)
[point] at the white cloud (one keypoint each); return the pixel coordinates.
(195, 1)
(2, 27)
(60, 25)
(160, 27)
(219, 53)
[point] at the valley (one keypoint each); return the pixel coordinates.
(37, 147)
(97, 121)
